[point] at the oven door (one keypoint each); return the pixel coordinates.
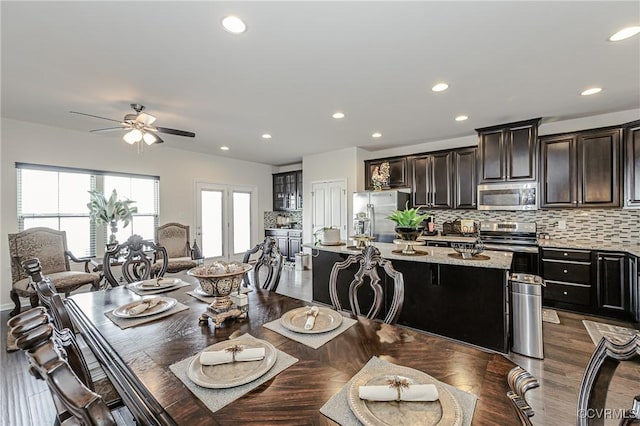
(510, 196)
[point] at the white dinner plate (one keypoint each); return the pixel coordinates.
(229, 375)
(295, 319)
(165, 304)
(444, 411)
(154, 284)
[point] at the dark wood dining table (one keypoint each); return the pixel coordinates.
(137, 360)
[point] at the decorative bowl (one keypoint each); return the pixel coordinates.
(410, 233)
(220, 279)
(468, 250)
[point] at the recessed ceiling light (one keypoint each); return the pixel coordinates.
(266, 136)
(461, 118)
(224, 148)
(234, 25)
(376, 135)
(625, 33)
(338, 115)
(591, 91)
(440, 87)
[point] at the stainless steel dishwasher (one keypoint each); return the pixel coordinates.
(526, 308)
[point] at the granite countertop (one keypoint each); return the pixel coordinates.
(498, 259)
(632, 249)
(451, 238)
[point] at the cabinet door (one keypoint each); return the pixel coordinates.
(299, 190)
(420, 166)
(441, 180)
(632, 167)
(614, 283)
(283, 245)
(521, 152)
(558, 171)
(279, 195)
(465, 178)
(398, 172)
(491, 149)
(598, 169)
(295, 246)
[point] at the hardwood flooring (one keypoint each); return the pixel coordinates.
(26, 401)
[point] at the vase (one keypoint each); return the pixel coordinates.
(113, 225)
(410, 233)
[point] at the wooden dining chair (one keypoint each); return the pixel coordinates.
(134, 259)
(50, 246)
(75, 403)
(174, 237)
(271, 258)
(369, 260)
(520, 382)
(601, 368)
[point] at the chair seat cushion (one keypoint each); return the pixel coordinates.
(175, 264)
(63, 282)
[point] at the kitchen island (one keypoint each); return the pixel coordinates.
(466, 300)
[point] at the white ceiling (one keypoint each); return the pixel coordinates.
(299, 62)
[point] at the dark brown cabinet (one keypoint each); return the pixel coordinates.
(632, 166)
(567, 274)
(398, 172)
(465, 178)
(289, 242)
(287, 191)
(508, 152)
(616, 278)
(432, 180)
(581, 169)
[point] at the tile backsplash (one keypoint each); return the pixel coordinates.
(606, 225)
(271, 219)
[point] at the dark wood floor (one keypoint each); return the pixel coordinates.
(25, 400)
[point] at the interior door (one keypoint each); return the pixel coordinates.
(226, 218)
(329, 206)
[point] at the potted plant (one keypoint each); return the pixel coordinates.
(408, 223)
(110, 211)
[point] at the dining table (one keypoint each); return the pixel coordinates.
(138, 359)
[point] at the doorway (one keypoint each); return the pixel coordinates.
(226, 218)
(329, 206)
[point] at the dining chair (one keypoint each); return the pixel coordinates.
(75, 402)
(50, 246)
(369, 260)
(520, 382)
(134, 259)
(174, 237)
(271, 258)
(598, 374)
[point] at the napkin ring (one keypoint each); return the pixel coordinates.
(234, 350)
(398, 383)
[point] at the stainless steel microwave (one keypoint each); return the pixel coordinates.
(508, 196)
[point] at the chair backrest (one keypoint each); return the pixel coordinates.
(520, 381)
(175, 238)
(134, 257)
(369, 260)
(73, 400)
(604, 361)
(271, 258)
(46, 244)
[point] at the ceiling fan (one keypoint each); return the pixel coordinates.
(139, 125)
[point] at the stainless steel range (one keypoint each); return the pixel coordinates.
(517, 237)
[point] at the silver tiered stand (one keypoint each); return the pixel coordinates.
(408, 245)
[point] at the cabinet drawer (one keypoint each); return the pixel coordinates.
(295, 234)
(276, 233)
(567, 293)
(566, 271)
(560, 254)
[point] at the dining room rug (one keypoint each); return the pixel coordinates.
(337, 407)
(597, 330)
(215, 399)
(312, 340)
(549, 315)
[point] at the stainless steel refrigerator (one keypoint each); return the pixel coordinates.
(378, 205)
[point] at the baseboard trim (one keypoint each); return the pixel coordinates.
(6, 307)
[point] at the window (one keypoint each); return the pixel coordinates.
(57, 198)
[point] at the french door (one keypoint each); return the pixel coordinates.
(329, 206)
(226, 218)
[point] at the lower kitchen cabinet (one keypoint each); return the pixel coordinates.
(616, 275)
(289, 242)
(567, 274)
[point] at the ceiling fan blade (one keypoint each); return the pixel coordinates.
(146, 119)
(108, 129)
(176, 132)
(158, 139)
(94, 116)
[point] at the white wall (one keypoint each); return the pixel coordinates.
(178, 171)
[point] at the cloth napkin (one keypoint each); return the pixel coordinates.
(158, 282)
(387, 393)
(225, 356)
(143, 305)
(312, 313)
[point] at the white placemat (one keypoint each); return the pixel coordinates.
(312, 340)
(215, 399)
(132, 322)
(338, 410)
(160, 290)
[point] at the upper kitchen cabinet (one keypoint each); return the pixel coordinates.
(433, 180)
(508, 152)
(632, 166)
(581, 169)
(466, 178)
(398, 172)
(287, 191)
